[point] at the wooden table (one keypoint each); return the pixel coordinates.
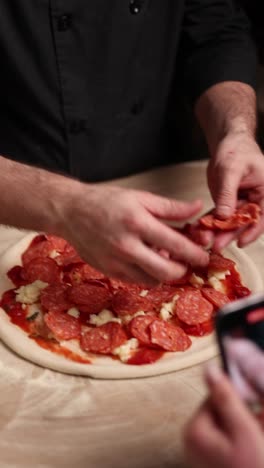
(50, 420)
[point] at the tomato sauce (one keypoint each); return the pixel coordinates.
(145, 356)
(58, 349)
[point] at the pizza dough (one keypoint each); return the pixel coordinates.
(102, 367)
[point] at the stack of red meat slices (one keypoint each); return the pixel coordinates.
(73, 283)
(245, 215)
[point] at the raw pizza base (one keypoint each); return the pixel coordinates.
(102, 367)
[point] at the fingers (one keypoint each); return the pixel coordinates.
(167, 208)
(227, 190)
(179, 247)
(155, 265)
(203, 439)
(249, 359)
(134, 274)
(222, 240)
(252, 233)
(232, 413)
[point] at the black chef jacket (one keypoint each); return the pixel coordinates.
(89, 88)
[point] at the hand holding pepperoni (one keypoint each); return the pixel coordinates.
(237, 171)
(223, 433)
(115, 230)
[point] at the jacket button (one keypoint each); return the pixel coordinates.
(64, 22)
(135, 6)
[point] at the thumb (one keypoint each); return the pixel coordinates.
(230, 409)
(170, 209)
(226, 193)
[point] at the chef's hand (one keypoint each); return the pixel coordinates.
(223, 433)
(115, 230)
(237, 169)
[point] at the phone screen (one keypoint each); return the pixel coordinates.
(242, 344)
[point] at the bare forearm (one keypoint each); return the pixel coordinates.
(31, 197)
(225, 108)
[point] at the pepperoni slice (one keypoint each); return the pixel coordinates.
(54, 298)
(219, 263)
(43, 269)
(192, 308)
(58, 243)
(168, 337)
(103, 339)
(245, 215)
(200, 329)
(81, 273)
(145, 356)
(128, 303)
(62, 325)
(217, 298)
(162, 293)
(39, 247)
(69, 257)
(183, 280)
(139, 328)
(8, 300)
(16, 275)
(90, 297)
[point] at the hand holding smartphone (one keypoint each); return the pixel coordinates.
(240, 334)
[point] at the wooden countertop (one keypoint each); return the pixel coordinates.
(50, 420)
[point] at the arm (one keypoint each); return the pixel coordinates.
(220, 68)
(112, 228)
(226, 108)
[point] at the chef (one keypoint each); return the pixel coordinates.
(89, 93)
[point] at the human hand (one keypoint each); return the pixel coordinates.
(237, 171)
(223, 433)
(118, 231)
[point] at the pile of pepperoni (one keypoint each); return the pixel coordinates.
(72, 283)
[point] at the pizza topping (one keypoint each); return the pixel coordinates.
(139, 328)
(125, 351)
(16, 275)
(219, 263)
(81, 273)
(73, 303)
(200, 329)
(73, 312)
(62, 325)
(245, 215)
(144, 356)
(217, 298)
(53, 254)
(192, 308)
(127, 318)
(168, 336)
(104, 339)
(59, 244)
(161, 294)
(196, 280)
(216, 284)
(43, 269)
(30, 293)
(128, 303)
(33, 316)
(68, 257)
(39, 247)
(167, 309)
(90, 297)
(54, 298)
(103, 317)
(144, 292)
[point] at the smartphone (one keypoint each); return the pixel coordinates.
(240, 335)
